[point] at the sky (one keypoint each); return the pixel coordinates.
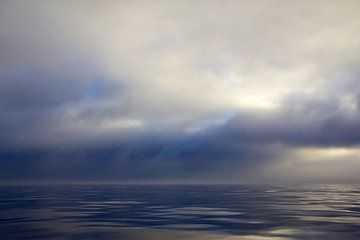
(192, 91)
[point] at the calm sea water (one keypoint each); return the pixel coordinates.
(180, 212)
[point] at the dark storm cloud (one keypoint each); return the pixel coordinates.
(35, 90)
(33, 103)
(245, 142)
(311, 124)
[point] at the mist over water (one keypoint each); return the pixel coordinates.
(180, 212)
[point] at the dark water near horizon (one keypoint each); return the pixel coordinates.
(180, 212)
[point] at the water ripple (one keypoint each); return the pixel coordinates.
(180, 212)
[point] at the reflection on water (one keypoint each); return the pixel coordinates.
(180, 212)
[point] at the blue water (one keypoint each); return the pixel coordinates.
(180, 212)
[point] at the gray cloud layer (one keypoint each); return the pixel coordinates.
(237, 90)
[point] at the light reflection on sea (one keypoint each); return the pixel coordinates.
(180, 212)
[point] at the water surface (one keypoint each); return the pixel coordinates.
(180, 212)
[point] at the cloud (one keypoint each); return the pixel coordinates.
(192, 90)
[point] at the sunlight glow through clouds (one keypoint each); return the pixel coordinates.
(328, 154)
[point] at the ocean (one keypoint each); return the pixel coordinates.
(139, 212)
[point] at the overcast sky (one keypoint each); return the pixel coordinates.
(238, 91)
